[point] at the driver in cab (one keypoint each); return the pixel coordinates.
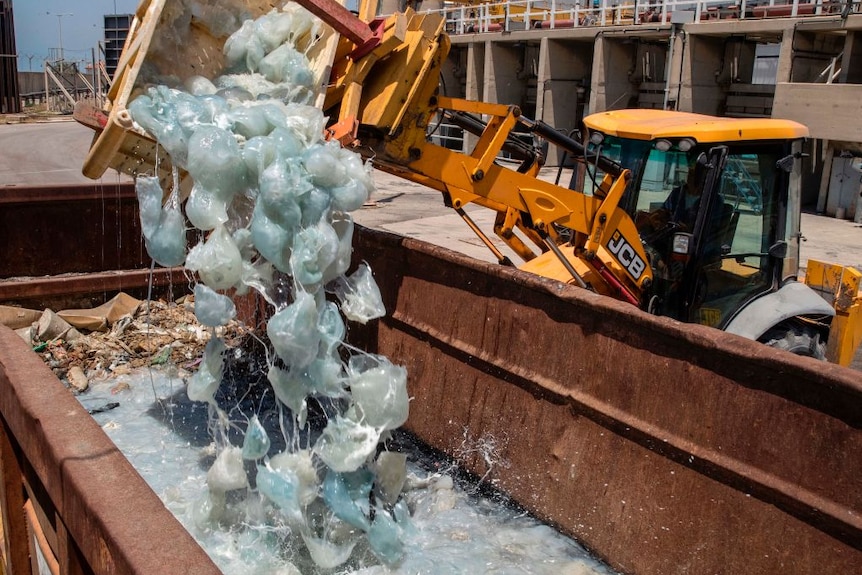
(677, 213)
(679, 210)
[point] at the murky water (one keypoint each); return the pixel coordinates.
(452, 527)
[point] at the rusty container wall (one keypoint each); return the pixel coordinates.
(666, 448)
(96, 513)
(74, 246)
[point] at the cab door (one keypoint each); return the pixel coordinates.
(736, 231)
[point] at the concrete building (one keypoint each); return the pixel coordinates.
(560, 62)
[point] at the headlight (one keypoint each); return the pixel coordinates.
(686, 144)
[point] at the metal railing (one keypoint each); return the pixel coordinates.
(514, 15)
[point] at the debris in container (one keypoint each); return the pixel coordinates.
(51, 326)
(104, 408)
(99, 318)
(77, 380)
(127, 334)
(16, 318)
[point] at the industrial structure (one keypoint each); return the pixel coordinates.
(62, 82)
(561, 61)
(9, 101)
(116, 29)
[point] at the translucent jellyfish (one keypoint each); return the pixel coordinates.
(390, 472)
(156, 113)
(256, 442)
(350, 196)
(244, 48)
(301, 464)
(150, 195)
(280, 487)
(304, 26)
(325, 553)
(271, 240)
(259, 153)
(331, 328)
(347, 495)
(168, 244)
(325, 166)
(285, 64)
(384, 537)
(293, 332)
(190, 112)
(249, 121)
(274, 28)
(314, 250)
(215, 161)
(204, 209)
(379, 391)
(163, 227)
(346, 445)
(227, 472)
(199, 86)
(343, 226)
(211, 308)
(307, 122)
(359, 295)
(217, 260)
(292, 391)
(281, 184)
(325, 376)
(290, 144)
(205, 381)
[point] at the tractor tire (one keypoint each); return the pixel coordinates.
(799, 339)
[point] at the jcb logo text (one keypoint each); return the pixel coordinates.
(626, 255)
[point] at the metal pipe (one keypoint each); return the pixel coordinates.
(566, 263)
(571, 145)
(476, 127)
(501, 259)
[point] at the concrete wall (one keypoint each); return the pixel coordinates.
(831, 112)
(710, 72)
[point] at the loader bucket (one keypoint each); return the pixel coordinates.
(165, 41)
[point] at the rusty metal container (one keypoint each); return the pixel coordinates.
(666, 448)
(56, 253)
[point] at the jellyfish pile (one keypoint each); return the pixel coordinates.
(273, 200)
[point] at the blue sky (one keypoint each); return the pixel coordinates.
(38, 27)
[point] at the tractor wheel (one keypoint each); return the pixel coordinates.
(799, 339)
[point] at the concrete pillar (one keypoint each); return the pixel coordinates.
(785, 57)
(454, 72)
(475, 84)
(851, 62)
(825, 176)
(503, 61)
(564, 71)
(702, 67)
(610, 88)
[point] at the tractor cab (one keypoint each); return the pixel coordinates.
(711, 199)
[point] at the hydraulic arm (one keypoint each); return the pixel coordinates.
(384, 95)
